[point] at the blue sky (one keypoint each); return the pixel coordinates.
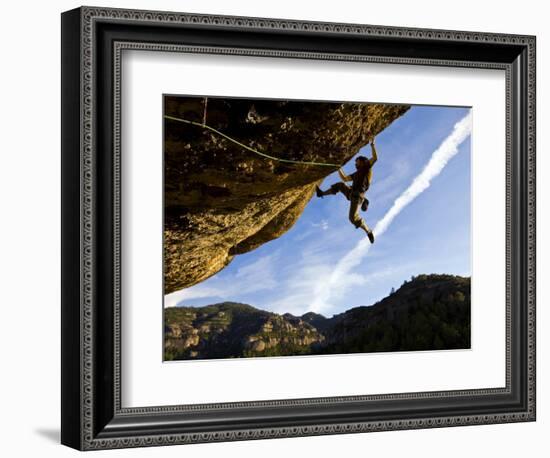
(315, 266)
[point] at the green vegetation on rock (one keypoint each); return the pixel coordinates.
(430, 312)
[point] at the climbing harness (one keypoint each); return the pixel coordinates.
(205, 126)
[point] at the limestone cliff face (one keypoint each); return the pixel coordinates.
(232, 330)
(222, 200)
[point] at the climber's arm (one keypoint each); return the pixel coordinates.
(343, 176)
(374, 155)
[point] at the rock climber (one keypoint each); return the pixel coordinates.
(355, 193)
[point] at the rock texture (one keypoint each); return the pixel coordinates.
(230, 330)
(428, 313)
(222, 200)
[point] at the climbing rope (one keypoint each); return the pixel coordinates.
(204, 126)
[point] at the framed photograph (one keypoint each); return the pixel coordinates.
(276, 228)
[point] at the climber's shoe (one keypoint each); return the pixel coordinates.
(318, 192)
(370, 235)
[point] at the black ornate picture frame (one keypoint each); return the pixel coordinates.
(92, 413)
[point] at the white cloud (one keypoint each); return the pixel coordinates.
(446, 151)
(256, 276)
(297, 281)
(308, 279)
(310, 231)
(323, 224)
(201, 291)
(338, 281)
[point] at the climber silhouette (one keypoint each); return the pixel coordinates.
(355, 193)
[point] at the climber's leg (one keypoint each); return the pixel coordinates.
(356, 220)
(334, 189)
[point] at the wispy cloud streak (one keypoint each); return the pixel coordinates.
(338, 282)
(254, 277)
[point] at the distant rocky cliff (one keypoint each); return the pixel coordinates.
(222, 200)
(230, 330)
(429, 312)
